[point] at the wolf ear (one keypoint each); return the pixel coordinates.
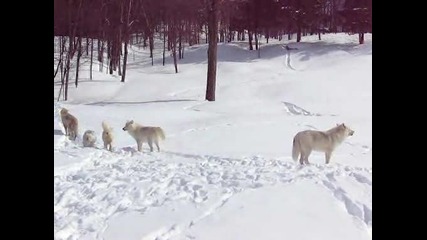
(131, 121)
(338, 124)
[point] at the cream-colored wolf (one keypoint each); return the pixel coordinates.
(323, 141)
(143, 134)
(70, 124)
(107, 136)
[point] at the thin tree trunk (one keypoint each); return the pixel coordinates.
(57, 66)
(175, 62)
(182, 52)
(164, 43)
(91, 58)
(250, 40)
(361, 38)
(67, 67)
(118, 63)
(256, 40)
(79, 54)
(173, 40)
(180, 43)
(127, 37)
(125, 59)
(151, 42)
(87, 46)
(206, 31)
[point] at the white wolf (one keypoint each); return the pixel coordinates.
(143, 134)
(107, 136)
(89, 139)
(323, 141)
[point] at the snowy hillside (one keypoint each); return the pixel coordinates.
(225, 170)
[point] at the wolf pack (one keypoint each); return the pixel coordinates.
(304, 142)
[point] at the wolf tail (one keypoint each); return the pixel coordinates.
(160, 133)
(105, 127)
(295, 149)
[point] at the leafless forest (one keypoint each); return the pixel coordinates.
(101, 31)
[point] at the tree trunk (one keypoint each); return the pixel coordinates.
(221, 36)
(79, 54)
(212, 49)
(175, 63)
(164, 43)
(256, 40)
(125, 60)
(250, 41)
(173, 40)
(87, 46)
(361, 38)
(298, 32)
(180, 43)
(206, 30)
(91, 58)
(67, 67)
(151, 42)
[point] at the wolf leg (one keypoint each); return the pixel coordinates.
(139, 143)
(301, 158)
(328, 156)
(157, 144)
(307, 154)
(150, 143)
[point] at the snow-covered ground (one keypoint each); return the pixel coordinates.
(225, 170)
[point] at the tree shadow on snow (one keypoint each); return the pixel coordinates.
(142, 102)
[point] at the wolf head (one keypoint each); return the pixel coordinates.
(345, 129)
(128, 125)
(64, 111)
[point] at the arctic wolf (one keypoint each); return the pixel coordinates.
(89, 139)
(70, 124)
(107, 136)
(321, 141)
(144, 134)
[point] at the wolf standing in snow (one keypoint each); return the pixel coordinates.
(89, 139)
(107, 136)
(70, 124)
(143, 134)
(323, 141)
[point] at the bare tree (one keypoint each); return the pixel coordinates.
(212, 49)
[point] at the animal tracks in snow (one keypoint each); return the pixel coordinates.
(104, 184)
(108, 183)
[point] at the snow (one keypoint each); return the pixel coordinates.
(225, 169)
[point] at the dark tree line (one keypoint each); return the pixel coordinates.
(102, 30)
